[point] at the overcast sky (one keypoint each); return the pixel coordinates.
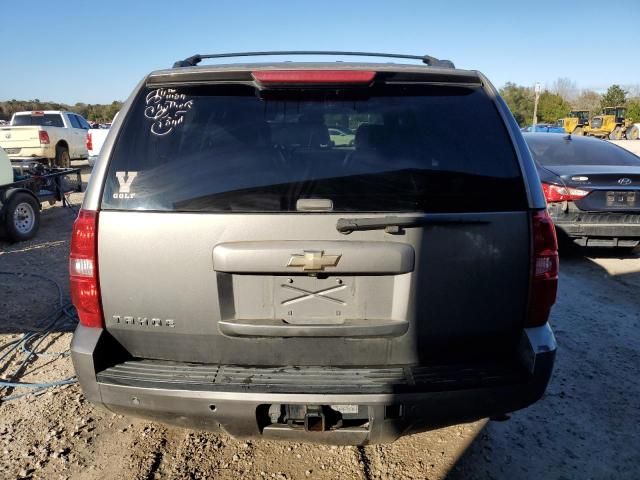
(97, 51)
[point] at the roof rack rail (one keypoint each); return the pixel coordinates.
(426, 59)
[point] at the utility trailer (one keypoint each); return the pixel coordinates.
(27, 183)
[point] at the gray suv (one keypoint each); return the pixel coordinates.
(234, 269)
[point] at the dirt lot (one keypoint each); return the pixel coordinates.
(631, 145)
(585, 427)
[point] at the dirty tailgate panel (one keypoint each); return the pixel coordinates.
(164, 298)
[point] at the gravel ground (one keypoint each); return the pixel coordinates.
(631, 145)
(585, 427)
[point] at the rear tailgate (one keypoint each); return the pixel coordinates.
(14, 139)
(98, 136)
(178, 305)
(218, 233)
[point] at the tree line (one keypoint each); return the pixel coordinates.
(555, 102)
(562, 97)
(101, 113)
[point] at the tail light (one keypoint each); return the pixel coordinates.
(83, 269)
(544, 269)
(44, 136)
(559, 193)
(89, 141)
(314, 76)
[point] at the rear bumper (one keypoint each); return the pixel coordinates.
(45, 152)
(389, 414)
(599, 229)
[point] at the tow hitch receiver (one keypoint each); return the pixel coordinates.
(314, 418)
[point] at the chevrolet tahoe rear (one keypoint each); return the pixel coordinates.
(234, 269)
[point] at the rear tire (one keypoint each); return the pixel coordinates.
(22, 218)
(63, 160)
(633, 133)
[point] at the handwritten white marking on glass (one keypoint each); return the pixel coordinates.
(166, 107)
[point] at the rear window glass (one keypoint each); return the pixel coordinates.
(392, 148)
(46, 120)
(562, 151)
(74, 121)
(83, 123)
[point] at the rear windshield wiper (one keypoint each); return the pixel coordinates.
(394, 224)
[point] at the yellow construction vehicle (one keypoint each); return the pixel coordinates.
(611, 124)
(575, 122)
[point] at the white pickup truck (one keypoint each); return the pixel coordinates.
(56, 136)
(95, 140)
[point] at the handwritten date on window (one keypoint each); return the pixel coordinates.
(166, 107)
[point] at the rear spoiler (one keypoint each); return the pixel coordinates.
(244, 74)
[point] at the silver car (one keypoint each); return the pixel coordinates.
(233, 269)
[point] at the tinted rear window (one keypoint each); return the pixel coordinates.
(392, 148)
(561, 151)
(46, 120)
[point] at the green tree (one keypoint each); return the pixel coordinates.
(519, 99)
(615, 96)
(111, 111)
(100, 113)
(633, 110)
(551, 107)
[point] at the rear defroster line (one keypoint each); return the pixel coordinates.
(44, 327)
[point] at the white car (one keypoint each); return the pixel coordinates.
(54, 135)
(340, 138)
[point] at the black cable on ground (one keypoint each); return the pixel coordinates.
(30, 341)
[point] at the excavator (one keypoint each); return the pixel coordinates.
(575, 122)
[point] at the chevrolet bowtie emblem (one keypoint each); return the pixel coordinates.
(313, 260)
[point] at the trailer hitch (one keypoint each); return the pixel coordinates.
(315, 420)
